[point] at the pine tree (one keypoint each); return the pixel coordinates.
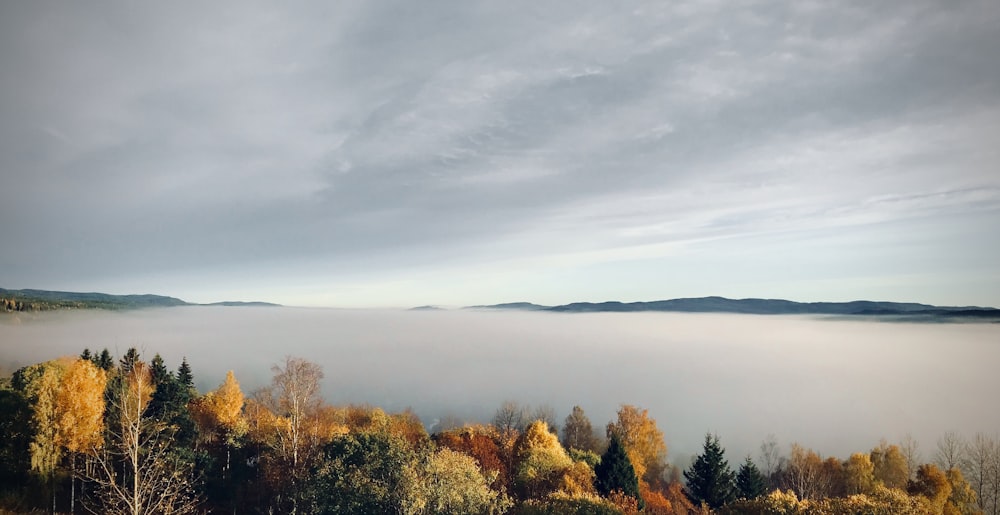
(104, 361)
(129, 360)
(615, 471)
(750, 483)
(185, 378)
(709, 480)
(86, 355)
(159, 371)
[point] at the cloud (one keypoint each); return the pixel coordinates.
(378, 137)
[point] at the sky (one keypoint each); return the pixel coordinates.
(380, 154)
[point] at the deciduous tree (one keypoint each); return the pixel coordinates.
(643, 441)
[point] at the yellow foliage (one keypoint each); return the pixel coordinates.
(80, 407)
(643, 442)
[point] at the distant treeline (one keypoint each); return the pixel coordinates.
(104, 435)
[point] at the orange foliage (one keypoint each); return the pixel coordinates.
(656, 503)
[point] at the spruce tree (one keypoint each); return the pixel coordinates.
(86, 355)
(104, 361)
(750, 482)
(185, 378)
(709, 480)
(615, 471)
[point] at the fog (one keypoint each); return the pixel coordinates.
(835, 385)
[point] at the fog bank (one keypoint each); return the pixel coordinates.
(836, 385)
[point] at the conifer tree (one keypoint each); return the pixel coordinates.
(750, 482)
(709, 480)
(615, 472)
(104, 361)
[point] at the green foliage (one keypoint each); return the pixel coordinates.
(750, 482)
(361, 473)
(709, 480)
(615, 472)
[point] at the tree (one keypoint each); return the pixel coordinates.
(451, 483)
(363, 472)
(931, 483)
(910, 449)
(615, 472)
(480, 442)
(859, 474)
(804, 473)
(710, 480)
(511, 417)
(219, 417)
(40, 386)
(982, 469)
(542, 461)
(963, 498)
(136, 471)
(578, 433)
(80, 414)
(285, 414)
(643, 441)
(104, 361)
(890, 466)
(950, 449)
(770, 458)
(750, 482)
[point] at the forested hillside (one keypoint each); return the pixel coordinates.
(104, 435)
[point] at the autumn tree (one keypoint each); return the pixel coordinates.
(451, 483)
(750, 482)
(615, 472)
(859, 474)
(578, 433)
(136, 471)
(480, 442)
(221, 426)
(361, 472)
(890, 466)
(40, 385)
(804, 473)
(286, 421)
(80, 415)
(643, 442)
(541, 461)
(709, 479)
(963, 499)
(931, 483)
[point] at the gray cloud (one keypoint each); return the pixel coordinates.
(374, 138)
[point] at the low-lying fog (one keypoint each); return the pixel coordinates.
(835, 385)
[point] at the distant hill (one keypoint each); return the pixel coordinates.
(526, 306)
(255, 303)
(46, 300)
(766, 307)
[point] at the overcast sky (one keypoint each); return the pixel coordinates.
(379, 153)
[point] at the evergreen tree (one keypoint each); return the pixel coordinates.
(709, 480)
(86, 355)
(615, 471)
(104, 361)
(158, 371)
(750, 482)
(185, 378)
(129, 360)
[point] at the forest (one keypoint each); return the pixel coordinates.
(99, 434)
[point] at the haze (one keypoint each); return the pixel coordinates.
(836, 385)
